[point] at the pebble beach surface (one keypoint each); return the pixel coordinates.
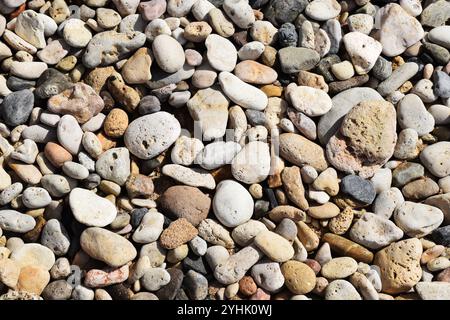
(224, 150)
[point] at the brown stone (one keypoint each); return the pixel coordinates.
(247, 286)
(279, 213)
(186, 202)
(345, 247)
(116, 123)
(98, 76)
(179, 232)
(309, 79)
(325, 211)
(420, 189)
(293, 186)
(56, 154)
(307, 236)
(342, 222)
(256, 73)
(299, 277)
(122, 93)
(139, 185)
(80, 101)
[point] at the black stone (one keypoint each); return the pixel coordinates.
(118, 292)
(16, 84)
(170, 290)
(17, 106)
(256, 4)
(442, 236)
(358, 188)
(287, 35)
(50, 83)
(268, 192)
(136, 216)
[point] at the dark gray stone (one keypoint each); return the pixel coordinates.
(358, 188)
(382, 69)
(50, 83)
(17, 106)
(407, 172)
(255, 117)
(57, 290)
(196, 285)
(170, 290)
(282, 11)
(287, 35)
(324, 67)
(149, 104)
(92, 181)
(440, 55)
(442, 236)
(136, 216)
(441, 84)
(193, 262)
(16, 84)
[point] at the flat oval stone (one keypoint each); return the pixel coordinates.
(242, 93)
(322, 10)
(411, 113)
(293, 59)
(339, 268)
(107, 246)
(11, 220)
(311, 101)
(169, 54)
(232, 203)
(341, 290)
(193, 177)
(217, 154)
(90, 209)
(299, 277)
(35, 197)
(274, 246)
(301, 151)
(253, 72)
(150, 135)
(221, 53)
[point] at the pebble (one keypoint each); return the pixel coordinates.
(11, 220)
(413, 114)
(299, 277)
(34, 255)
(234, 268)
(179, 232)
(148, 136)
(241, 93)
(417, 219)
(186, 202)
(161, 46)
(191, 177)
(232, 203)
(155, 278)
(114, 249)
(435, 160)
(374, 231)
(358, 188)
(339, 268)
(399, 265)
(99, 215)
(311, 101)
(80, 101)
(341, 290)
(252, 163)
(217, 154)
(398, 77)
(293, 60)
(114, 165)
(274, 246)
(17, 106)
(35, 197)
(55, 237)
